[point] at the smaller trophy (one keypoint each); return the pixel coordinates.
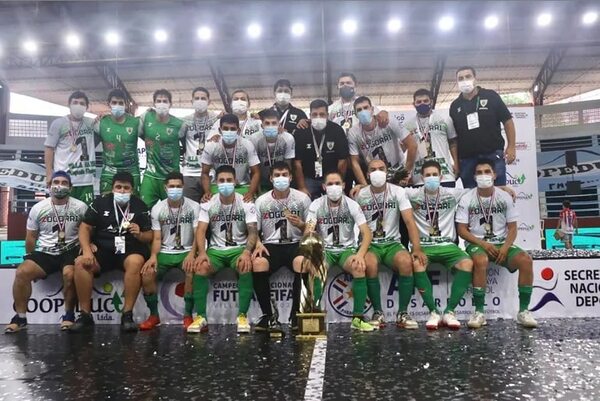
(311, 320)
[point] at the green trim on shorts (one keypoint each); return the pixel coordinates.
(168, 261)
(338, 258)
(448, 255)
(106, 181)
(84, 193)
(385, 252)
(240, 189)
(223, 258)
(512, 252)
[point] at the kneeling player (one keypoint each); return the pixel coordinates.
(487, 221)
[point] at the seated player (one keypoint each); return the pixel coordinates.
(334, 217)
(281, 215)
(174, 222)
(384, 205)
(231, 223)
(118, 224)
(487, 221)
(52, 246)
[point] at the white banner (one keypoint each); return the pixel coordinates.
(23, 175)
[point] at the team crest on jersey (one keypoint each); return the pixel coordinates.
(483, 103)
(169, 131)
(330, 145)
(293, 117)
(340, 295)
(308, 146)
(129, 130)
(106, 213)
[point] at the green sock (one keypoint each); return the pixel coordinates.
(245, 290)
(524, 297)
(374, 291)
(318, 292)
(479, 298)
(200, 293)
(152, 302)
(460, 283)
(406, 286)
(425, 288)
(359, 292)
(188, 298)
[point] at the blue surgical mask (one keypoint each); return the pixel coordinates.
(229, 137)
(226, 188)
(423, 109)
(432, 183)
(270, 132)
(365, 117)
(117, 110)
(174, 194)
(347, 92)
(281, 183)
(122, 198)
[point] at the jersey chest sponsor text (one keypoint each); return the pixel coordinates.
(387, 137)
(495, 210)
(441, 206)
(279, 214)
(334, 220)
(55, 219)
(227, 160)
(235, 217)
(173, 220)
(372, 206)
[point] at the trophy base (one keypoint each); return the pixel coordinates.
(311, 326)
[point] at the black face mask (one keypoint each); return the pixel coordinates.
(347, 92)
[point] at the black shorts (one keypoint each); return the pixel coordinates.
(108, 260)
(53, 263)
(281, 255)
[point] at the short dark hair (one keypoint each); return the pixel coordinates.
(201, 89)
(327, 174)
(79, 95)
(284, 83)
(123, 176)
(489, 162)
(347, 74)
(118, 93)
(318, 103)
(466, 67)
(241, 91)
(421, 92)
(163, 92)
(280, 165)
(361, 99)
(567, 204)
(269, 113)
(229, 118)
(431, 163)
(173, 175)
(225, 168)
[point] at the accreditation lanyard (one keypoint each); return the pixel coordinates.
(284, 117)
(319, 148)
(380, 211)
(424, 128)
(274, 150)
(431, 212)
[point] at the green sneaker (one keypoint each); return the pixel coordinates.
(361, 325)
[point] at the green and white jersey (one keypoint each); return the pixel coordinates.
(162, 144)
(274, 227)
(436, 226)
(194, 131)
(48, 221)
(74, 148)
(284, 148)
(386, 229)
(119, 143)
(336, 225)
(440, 129)
(497, 210)
(177, 225)
(242, 156)
(228, 224)
(381, 143)
(248, 127)
(343, 113)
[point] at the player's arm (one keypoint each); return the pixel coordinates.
(509, 129)
(299, 177)
(411, 153)
(145, 236)
(49, 163)
(367, 236)
(452, 143)
(358, 173)
(254, 183)
(413, 235)
(201, 243)
(342, 166)
(244, 263)
(30, 239)
(152, 262)
(510, 191)
(205, 181)
(85, 238)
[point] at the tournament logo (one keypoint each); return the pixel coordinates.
(526, 227)
(524, 196)
(340, 296)
(547, 274)
(168, 288)
(515, 180)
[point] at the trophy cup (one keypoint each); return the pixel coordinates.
(311, 320)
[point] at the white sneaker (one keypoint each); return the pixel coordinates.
(526, 319)
(449, 320)
(433, 322)
(243, 326)
(377, 320)
(405, 321)
(477, 320)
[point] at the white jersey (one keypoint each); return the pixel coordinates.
(381, 143)
(48, 221)
(343, 113)
(502, 212)
(440, 129)
(284, 148)
(228, 223)
(195, 130)
(241, 157)
(336, 224)
(436, 225)
(386, 229)
(248, 127)
(74, 149)
(177, 226)
(274, 227)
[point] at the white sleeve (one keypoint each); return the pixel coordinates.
(32, 220)
(196, 212)
(356, 212)
(305, 206)
(462, 212)
(203, 216)
(206, 157)
(450, 130)
(352, 142)
(250, 212)
(402, 198)
(290, 146)
(154, 217)
(253, 159)
(214, 130)
(54, 133)
(400, 132)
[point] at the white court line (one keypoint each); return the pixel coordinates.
(316, 374)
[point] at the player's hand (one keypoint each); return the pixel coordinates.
(215, 138)
(355, 190)
(510, 155)
(199, 261)
(206, 197)
(93, 248)
(502, 253)
(359, 264)
(87, 258)
(188, 263)
(260, 251)
(294, 220)
(490, 249)
(420, 257)
(255, 116)
(303, 124)
(134, 229)
(221, 114)
(244, 263)
(249, 197)
(150, 266)
(383, 119)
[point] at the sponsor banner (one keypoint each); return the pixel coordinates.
(553, 173)
(23, 175)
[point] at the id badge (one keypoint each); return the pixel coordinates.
(318, 169)
(423, 149)
(119, 245)
(473, 120)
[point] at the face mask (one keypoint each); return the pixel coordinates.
(59, 191)
(466, 86)
(174, 194)
(378, 178)
(162, 109)
(347, 92)
(432, 183)
(122, 198)
(200, 105)
(226, 188)
(77, 110)
(484, 181)
(239, 106)
(334, 192)
(283, 98)
(365, 117)
(270, 132)
(318, 123)
(423, 109)
(117, 111)
(281, 183)
(229, 137)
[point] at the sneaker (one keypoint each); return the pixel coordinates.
(16, 324)
(85, 321)
(243, 326)
(150, 323)
(405, 321)
(275, 329)
(127, 323)
(263, 323)
(68, 319)
(377, 320)
(434, 321)
(477, 320)
(199, 325)
(449, 320)
(526, 319)
(361, 325)
(187, 320)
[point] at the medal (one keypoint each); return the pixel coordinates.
(488, 228)
(61, 236)
(62, 222)
(346, 125)
(73, 148)
(125, 225)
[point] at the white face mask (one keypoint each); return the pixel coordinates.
(466, 86)
(378, 178)
(283, 98)
(162, 109)
(334, 192)
(200, 105)
(318, 123)
(77, 110)
(239, 106)
(484, 181)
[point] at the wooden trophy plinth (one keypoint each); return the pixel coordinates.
(311, 326)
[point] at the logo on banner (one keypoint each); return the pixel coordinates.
(526, 227)
(515, 180)
(547, 274)
(168, 288)
(340, 295)
(524, 196)
(520, 114)
(522, 146)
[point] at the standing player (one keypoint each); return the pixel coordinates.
(567, 224)
(281, 215)
(288, 115)
(230, 223)
(240, 105)
(487, 221)
(174, 222)
(52, 246)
